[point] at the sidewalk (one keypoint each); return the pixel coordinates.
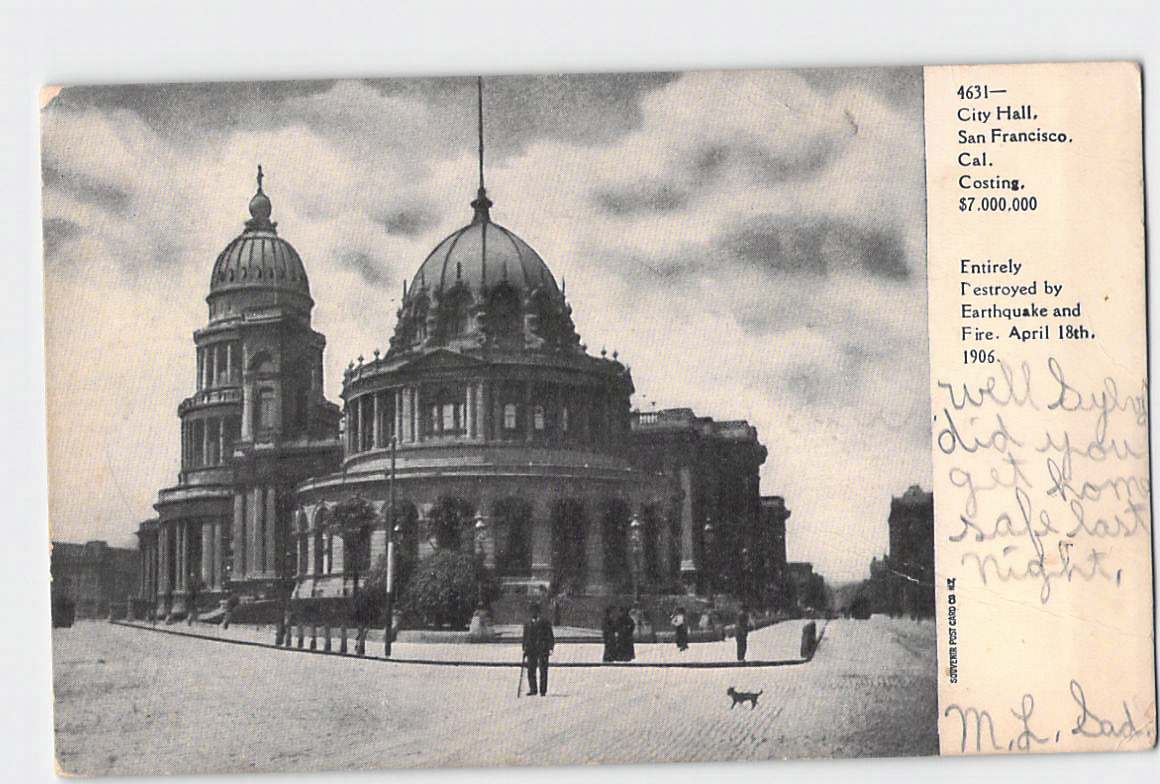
(777, 645)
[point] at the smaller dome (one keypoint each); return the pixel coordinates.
(258, 260)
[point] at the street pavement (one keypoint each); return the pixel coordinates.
(131, 701)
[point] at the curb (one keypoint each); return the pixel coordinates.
(475, 663)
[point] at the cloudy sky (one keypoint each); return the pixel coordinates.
(752, 243)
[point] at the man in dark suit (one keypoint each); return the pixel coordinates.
(743, 624)
(538, 644)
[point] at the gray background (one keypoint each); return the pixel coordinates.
(132, 42)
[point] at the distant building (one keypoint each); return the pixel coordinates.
(93, 575)
(808, 587)
(902, 582)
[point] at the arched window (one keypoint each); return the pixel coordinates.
(509, 416)
(538, 418)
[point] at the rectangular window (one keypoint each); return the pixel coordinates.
(449, 418)
(509, 416)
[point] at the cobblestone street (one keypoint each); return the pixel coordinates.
(132, 701)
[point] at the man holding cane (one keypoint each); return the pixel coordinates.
(538, 644)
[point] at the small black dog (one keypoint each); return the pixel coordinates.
(741, 697)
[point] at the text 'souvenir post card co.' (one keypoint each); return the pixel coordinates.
(597, 407)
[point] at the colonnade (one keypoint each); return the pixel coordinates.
(255, 533)
(482, 411)
(219, 364)
(322, 553)
(207, 441)
(179, 552)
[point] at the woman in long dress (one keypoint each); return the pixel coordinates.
(682, 629)
(625, 628)
(608, 629)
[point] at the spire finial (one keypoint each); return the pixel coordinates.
(260, 208)
(482, 204)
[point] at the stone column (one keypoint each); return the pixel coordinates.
(407, 417)
(541, 547)
(309, 570)
(254, 521)
(219, 564)
(239, 535)
(336, 555)
(230, 362)
(247, 412)
(594, 578)
(664, 548)
(480, 408)
(162, 552)
(417, 411)
(529, 423)
(221, 441)
(358, 419)
(182, 556)
(273, 558)
(469, 411)
(378, 545)
(207, 554)
(688, 559)
(377, 423)
(398, 393)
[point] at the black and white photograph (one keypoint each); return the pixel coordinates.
(488, 421)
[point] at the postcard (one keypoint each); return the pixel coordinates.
(597, 418)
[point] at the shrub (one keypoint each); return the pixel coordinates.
(443, 589)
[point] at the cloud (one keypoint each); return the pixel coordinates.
(371, 270)
(641, 197)
(818, 247)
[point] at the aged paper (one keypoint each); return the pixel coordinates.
(1040, 408)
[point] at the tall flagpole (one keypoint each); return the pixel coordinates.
(479, 114)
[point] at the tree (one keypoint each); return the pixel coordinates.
(444, 589)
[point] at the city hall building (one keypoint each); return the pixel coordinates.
(494, 427)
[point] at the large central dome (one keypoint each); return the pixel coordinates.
(483, 254)
(484, 287)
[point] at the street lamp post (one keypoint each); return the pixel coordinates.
(479, 622)
(481, 553)
(392, 529)
(708, 543)
(636, 542)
